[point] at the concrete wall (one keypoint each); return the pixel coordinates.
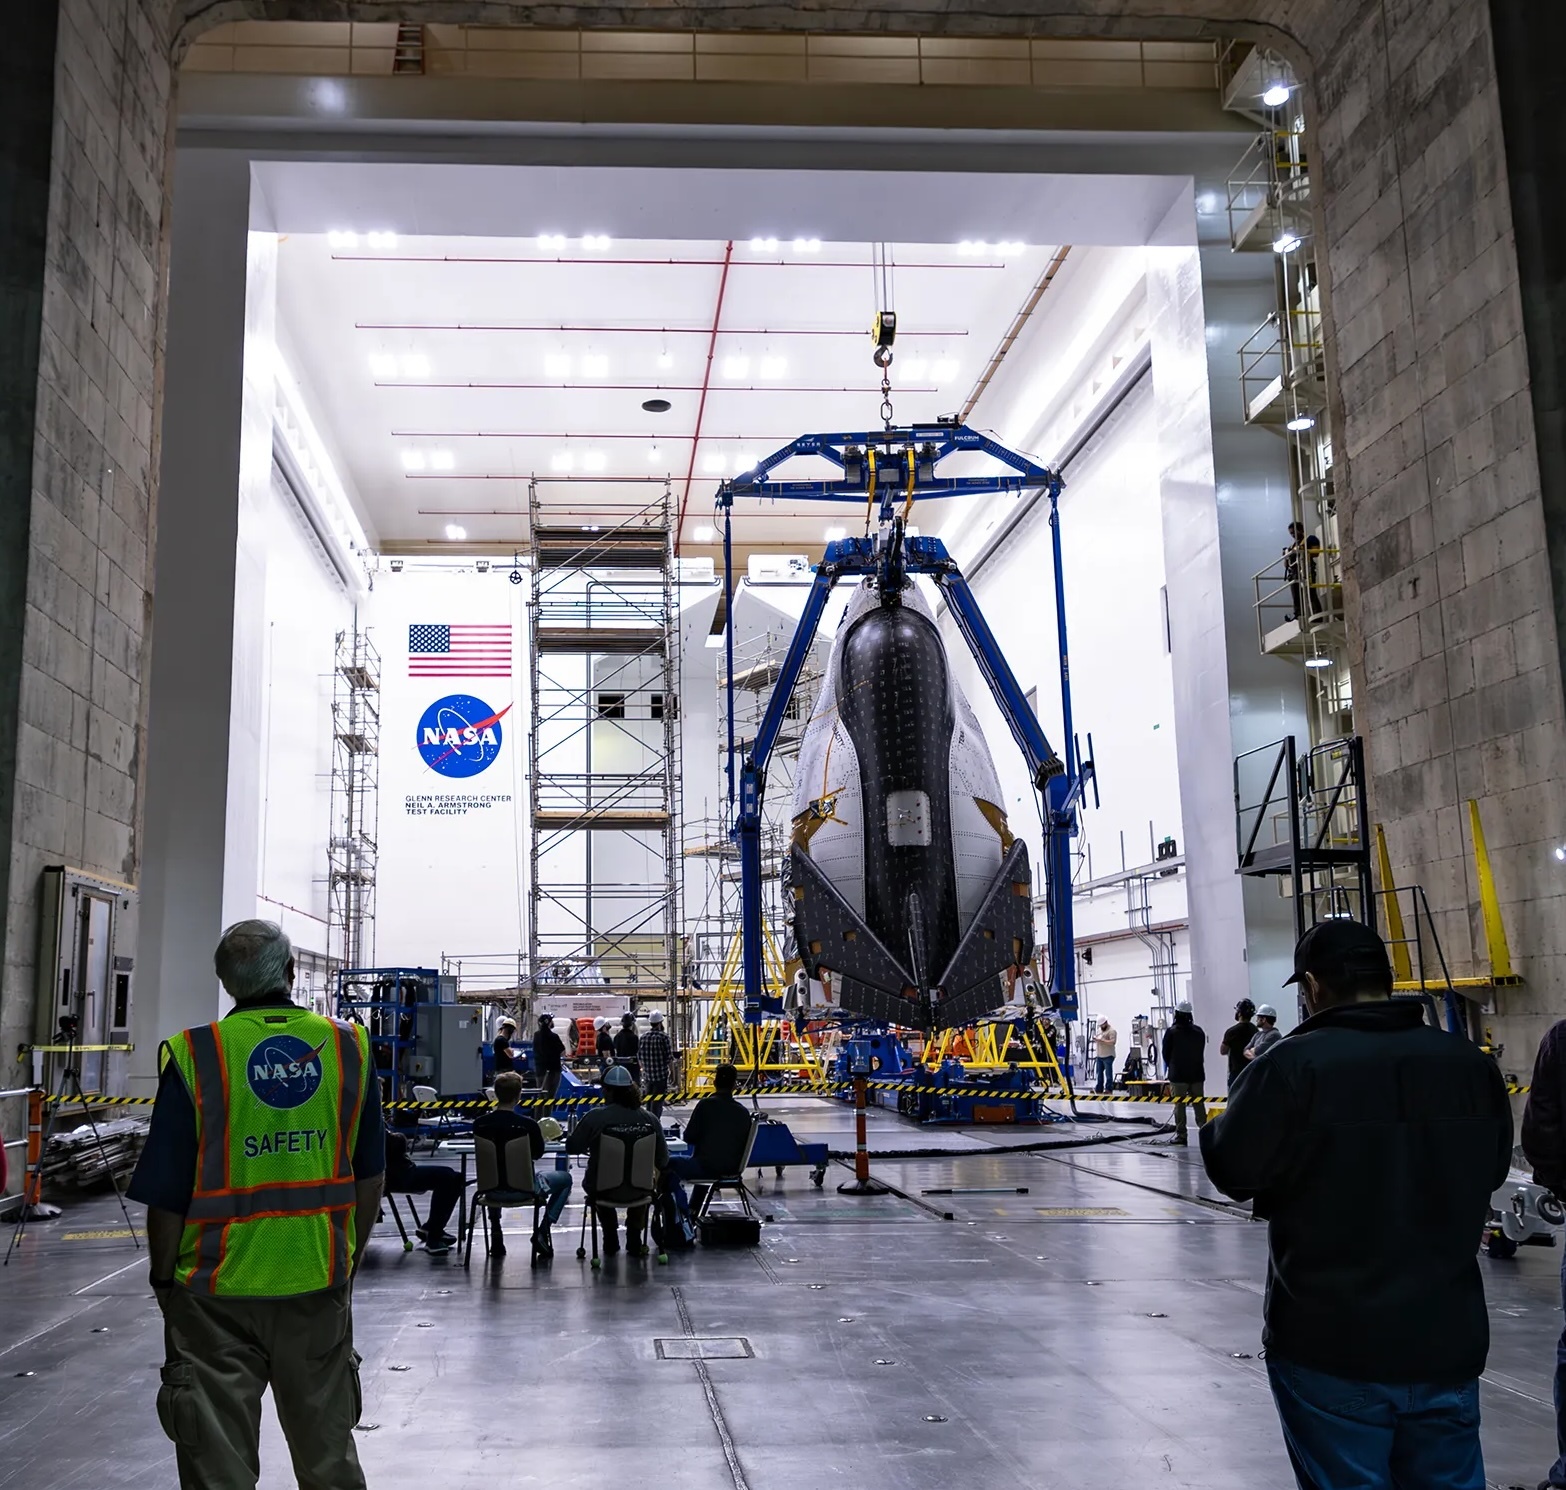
(1449, 590)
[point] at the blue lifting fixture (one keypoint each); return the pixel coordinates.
(887, 471)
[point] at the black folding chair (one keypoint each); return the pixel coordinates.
(492, 1198)
(733, 1181)
(407, 1200)
(625, 1175)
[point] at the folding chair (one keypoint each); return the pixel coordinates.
(624, 1167)
(440, 1123)
(734, 1180)
(490, 1196)
(391, 1200)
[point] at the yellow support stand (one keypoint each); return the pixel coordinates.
(1496, 945)
(1397, 937)
(996, 1046)
(755, 1048)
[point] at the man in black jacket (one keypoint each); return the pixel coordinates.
(548, 1053)
(1544, 1142)
(1185, 1064)
(1370, 1144)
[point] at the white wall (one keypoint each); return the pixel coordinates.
(453, 851)
(296, 608)
(1122, 685)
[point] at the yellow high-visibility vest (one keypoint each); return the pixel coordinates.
(278, 1093)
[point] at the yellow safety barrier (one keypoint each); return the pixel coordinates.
(779, 1089)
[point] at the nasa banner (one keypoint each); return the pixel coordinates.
(453, 780)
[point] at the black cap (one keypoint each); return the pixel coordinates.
(1342, 952)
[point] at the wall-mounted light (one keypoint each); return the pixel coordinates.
(1318, 662)
(1285, 243)
(1300, 423)
(1276, 95)
(551, 243)
(455, 533)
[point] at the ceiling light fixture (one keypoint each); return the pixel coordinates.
(442, 460)
(1011, 248)
(415, 365)
(595, 365)
(1285, 243)
(807, 245)
(413, 460)
(764, 245)
(916, 367)
(665, 360)
(594, 460)
(557, 365)
(562, 460)
(454, 533)
(1276, 95)
(656, 406)
(744, 461)
(383, 364)
(1316, 662)
(342, 238)
(833, 534)
(382, 240)
(713, 464)
(551, 242)
(595, 242)
(703, 535)
(652, 455)
(736, 367)
(1301, 422)
(774, 367)
(944, 370)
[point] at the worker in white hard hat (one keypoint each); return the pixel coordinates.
(1185, 1046)
(605, 1046)
(657, 1056)
(1267, 1032)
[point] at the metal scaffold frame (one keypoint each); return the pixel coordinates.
(352, 849)
(604, 753)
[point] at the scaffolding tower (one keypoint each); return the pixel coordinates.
(351, 845)
(604, 752)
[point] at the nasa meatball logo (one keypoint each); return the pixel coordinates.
(459, 735)
(284, 1071)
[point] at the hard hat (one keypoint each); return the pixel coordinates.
(618, 1076)
(600, 1023)
(550, 1128)
(656, 1017)
(1266, 1012)
(507, 1023)
(628, 1018)
(1183, 1007)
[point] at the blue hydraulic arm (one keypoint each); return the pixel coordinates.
(885, 470)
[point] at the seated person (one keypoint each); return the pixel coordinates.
(718, 1131)
(623, 1111)
(440, 1181)
(500, 1126)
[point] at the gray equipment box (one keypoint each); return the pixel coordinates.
(86, 974)
(447, 1051)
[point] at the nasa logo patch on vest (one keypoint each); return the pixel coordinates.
(459, 735)
(284, 1071)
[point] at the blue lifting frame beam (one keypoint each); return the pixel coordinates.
(886, 470)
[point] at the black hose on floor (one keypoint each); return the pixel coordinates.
(1097, 1141)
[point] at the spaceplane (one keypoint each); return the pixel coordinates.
(911, 896)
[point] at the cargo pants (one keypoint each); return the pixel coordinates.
(223, 1353)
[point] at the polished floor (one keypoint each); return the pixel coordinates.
(1099, 1331)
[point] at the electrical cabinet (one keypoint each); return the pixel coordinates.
(447, 1051)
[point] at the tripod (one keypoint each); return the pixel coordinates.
(69, 1084)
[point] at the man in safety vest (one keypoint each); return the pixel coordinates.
(262, 1177)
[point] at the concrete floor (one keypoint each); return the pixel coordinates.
(1097, 1332)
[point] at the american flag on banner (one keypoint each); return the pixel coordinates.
(459, 651)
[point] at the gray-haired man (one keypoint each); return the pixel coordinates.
(261, 1177)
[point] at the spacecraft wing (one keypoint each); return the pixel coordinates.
(1000, 936)
(833, 935)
